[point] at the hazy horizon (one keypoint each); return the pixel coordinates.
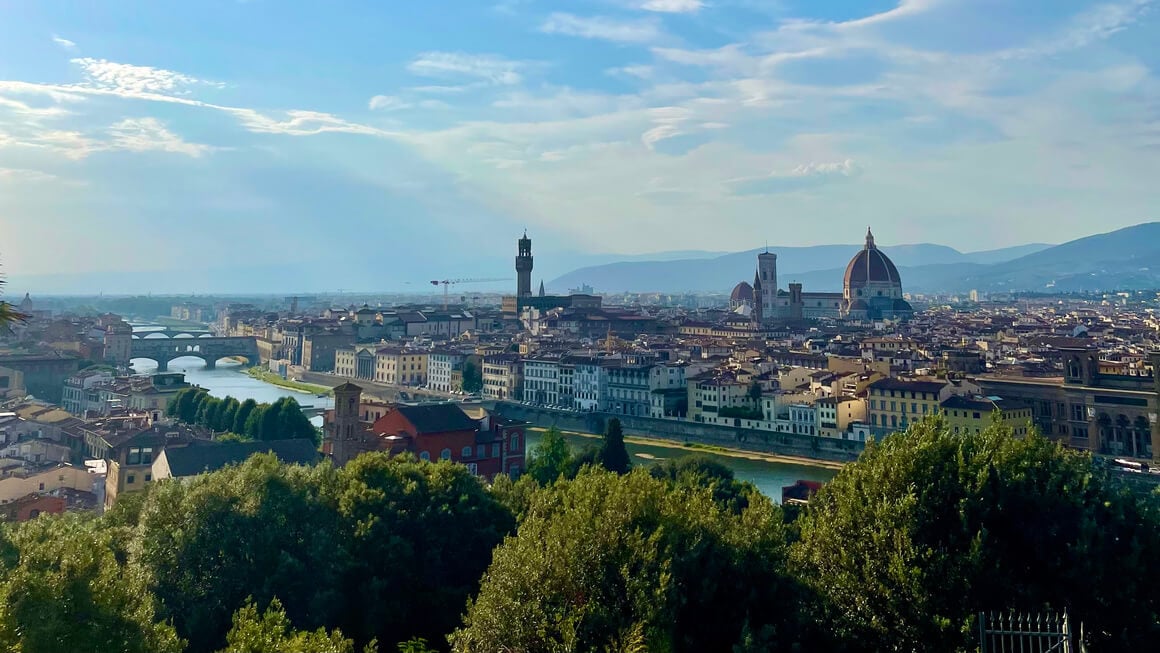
(409, 142)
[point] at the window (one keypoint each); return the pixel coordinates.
(148, 477)
(914, 407)
(467, 451)
(131, 479)
(473, 468)
(495, 450)
(445, 454)
(42, 487)
(424, 455)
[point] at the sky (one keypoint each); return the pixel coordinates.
(384, 141)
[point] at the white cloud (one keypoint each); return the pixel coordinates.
(387, 103)
(150, 134)
(24, 175)
(132, 79)
(602, 28)
(492, 68)
(638, 71)
(844, 168)
(63, 42)
(671, 6)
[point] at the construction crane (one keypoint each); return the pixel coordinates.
(447, 283)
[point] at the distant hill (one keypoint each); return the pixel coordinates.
(818, 268)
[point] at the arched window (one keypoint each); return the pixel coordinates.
(515, 445)
(467, 452)
(423, 455)
(445, 454)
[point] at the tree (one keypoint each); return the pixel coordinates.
(613, 454)
(243, 416)
(63, 590)
(228, 415)
(551, 459)
(272, 632)
(8, 314)
(292, 423)
(754, 393)
(253, 427)
(700, 471)
(929, 528)
(419, 537)
(260, 530)
(610, 562)
(472, 377)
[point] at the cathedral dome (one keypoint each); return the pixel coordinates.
(871, 266)
(742, 292)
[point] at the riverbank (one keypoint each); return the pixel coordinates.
(267, 376)
(717, 450)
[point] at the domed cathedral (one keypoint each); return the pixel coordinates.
(741, 297)
(872, 288)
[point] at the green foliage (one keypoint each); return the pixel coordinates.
(929, 527)
(699, 471)
(272, 632)
(282, 420)
(385, 548)
(551, 459)
(62, 589)
(242, 419)
(260, 529)
(613, 454)
(754, 392)
(625, 563)
(472, 377)
(420, 536)
(741, 412)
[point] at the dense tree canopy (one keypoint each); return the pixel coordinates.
(898, 553)
(928, 528)
(62, 589)
(613, 453)
(605, 562)
(281, 420)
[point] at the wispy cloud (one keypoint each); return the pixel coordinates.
(670, 6)
(24, 175)
(602, 28)
(488, 67)
(63, 42)
(799, 177)
(150, 134)
(137, 79)
(387, 103)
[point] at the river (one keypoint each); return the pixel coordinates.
(230, 379)
(769, 477)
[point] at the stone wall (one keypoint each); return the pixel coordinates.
(786, 444)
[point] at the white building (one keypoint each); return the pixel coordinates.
(542, 381)
(79, 393)
(589, 384)
(440, 365)
(627, 389)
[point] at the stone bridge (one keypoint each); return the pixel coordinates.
(173, 332)
(209, 349)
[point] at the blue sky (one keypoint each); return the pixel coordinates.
(407, 140)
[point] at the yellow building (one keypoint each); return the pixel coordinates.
(894, 403)
(397, 366)
(16, 486)
(973, 414)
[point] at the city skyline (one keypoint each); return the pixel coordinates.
(162, 132)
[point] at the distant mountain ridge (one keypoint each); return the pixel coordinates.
(1125, 259)
(793, 263)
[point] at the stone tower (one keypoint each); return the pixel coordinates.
(758, 301)
(346, 433)
(524, 267)
(767, 271)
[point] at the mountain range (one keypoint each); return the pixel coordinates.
(1125, 259)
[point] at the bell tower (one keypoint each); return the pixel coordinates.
(767, 272)
(346, 432)
(524, 264)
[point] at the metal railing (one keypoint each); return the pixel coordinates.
(1028, 633)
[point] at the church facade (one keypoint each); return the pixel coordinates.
(871, 290)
